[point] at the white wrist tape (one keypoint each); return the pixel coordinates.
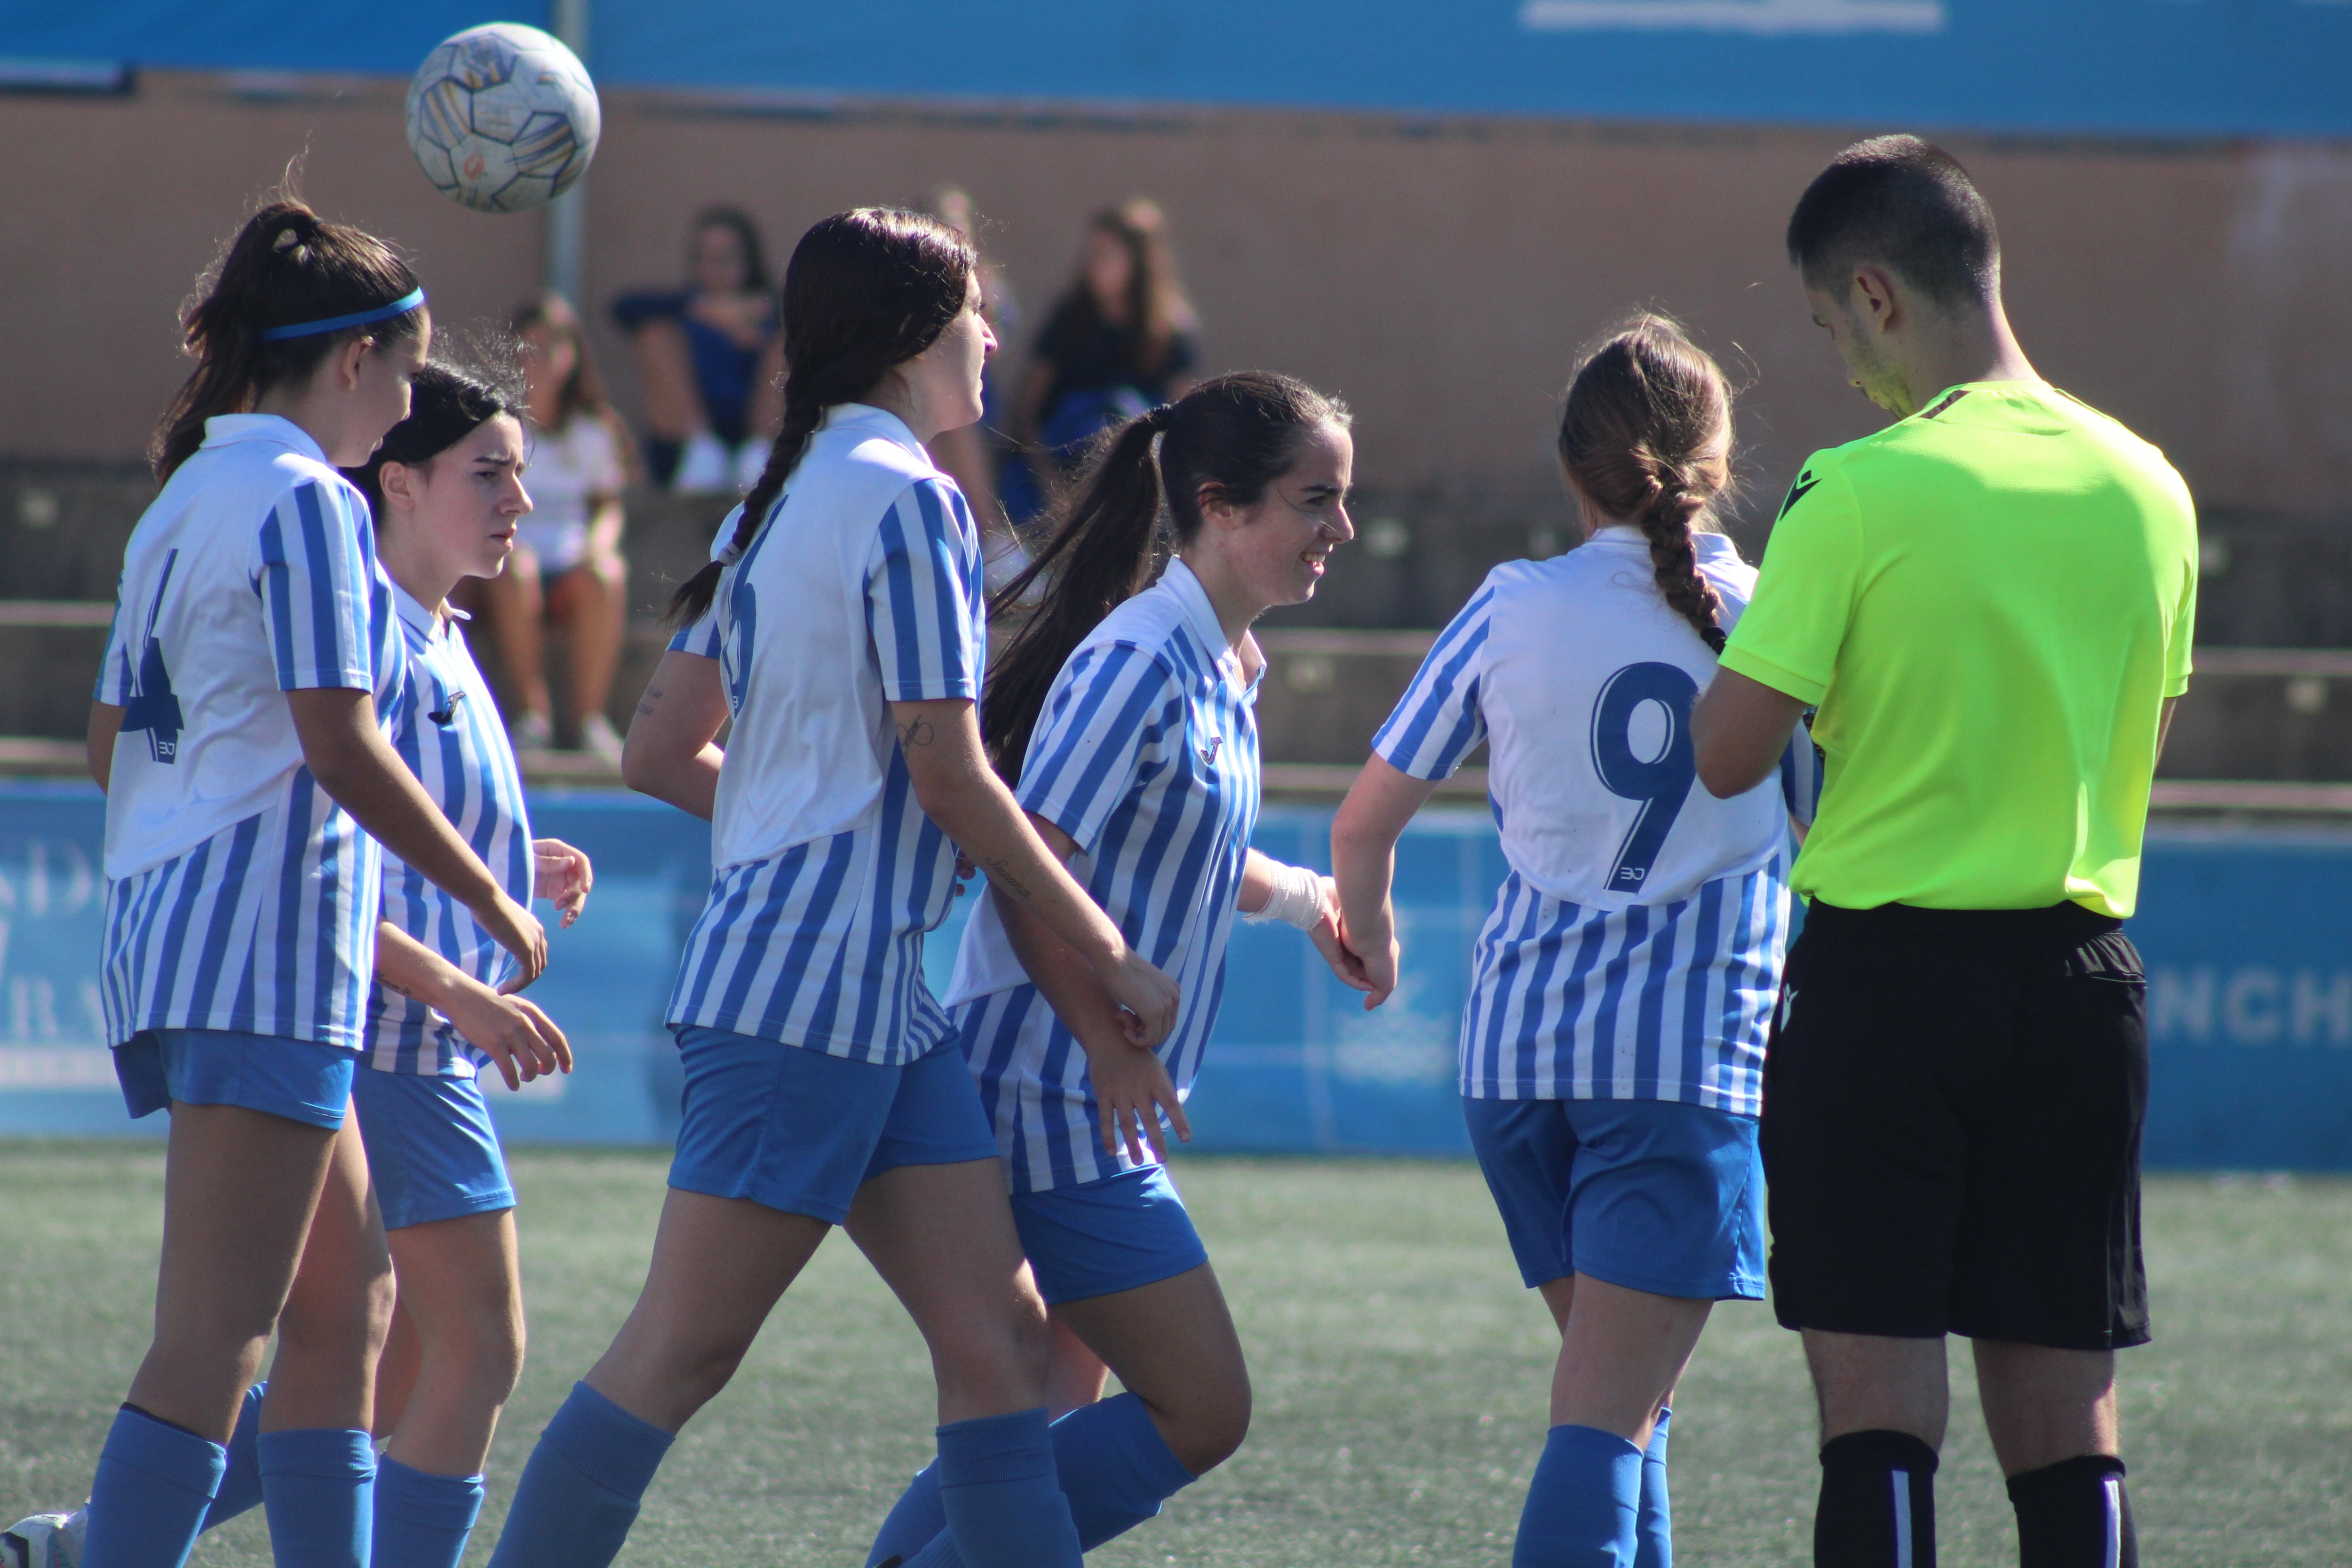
(1296, 898)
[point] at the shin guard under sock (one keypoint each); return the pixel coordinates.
(1002, 1495)
(240, 1487)
(1114, 1468)
(155, 1482)
(1582, 1502)
(422, 1520)
(1654, 1528)
(1878, 1502)
(581, 1488)
(317, 1486)
(2074, 1514)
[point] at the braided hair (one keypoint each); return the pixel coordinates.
(865, 292)
(1643, 411)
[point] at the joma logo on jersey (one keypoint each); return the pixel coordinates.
(1209, 752)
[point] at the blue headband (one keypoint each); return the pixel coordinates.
(400, 307)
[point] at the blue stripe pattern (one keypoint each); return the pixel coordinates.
(1146, 755)
(269, 926)
(1652, 1001)
(446, 726)
(821, 946)
(1437, 723)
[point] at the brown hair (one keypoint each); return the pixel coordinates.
(1642, 411)
(582, 392)
(865, 292)
(286, 265)
(1234, 434)
(1157, 309)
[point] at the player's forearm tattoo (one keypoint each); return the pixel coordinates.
(1001, 874)
(652, 695)
(915, 732)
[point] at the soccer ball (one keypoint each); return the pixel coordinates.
(502, 118)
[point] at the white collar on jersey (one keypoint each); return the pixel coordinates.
(1202, 616)
(873, 421)
(222, 429)
(418, 616)
(1706, 546)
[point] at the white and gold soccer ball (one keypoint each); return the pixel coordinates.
(502, 118)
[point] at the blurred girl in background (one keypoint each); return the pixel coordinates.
(567, 567)
(698, 353)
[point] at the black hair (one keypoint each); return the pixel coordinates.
(1642, 408)
(1233, 435)
(447, 404)
(738, 221)
(287, 265)
(1907, 204)
(865, 292)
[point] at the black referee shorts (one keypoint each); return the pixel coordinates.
(1952, 1111)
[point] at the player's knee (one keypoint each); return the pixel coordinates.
(1209, 1430)
(998, 1359)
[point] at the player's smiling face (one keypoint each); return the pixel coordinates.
(1280, 543)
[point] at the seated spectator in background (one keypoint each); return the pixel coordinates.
(567, 567)
(700, 351)
(1122, 340)
(972, 455)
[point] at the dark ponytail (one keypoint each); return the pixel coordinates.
(286, 266)
(1233, 435)
(1641, 412)
(865, 293)
(445, 404)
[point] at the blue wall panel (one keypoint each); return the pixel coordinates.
(2197, 68)
(2244, 933)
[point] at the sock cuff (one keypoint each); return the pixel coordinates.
(1567, 1439)
(994, 1449)
(428, 1501)
(169, 1453)
(2027, 1485)
(1656, 1452)
(325, 1453)
(612, 1447)
(1128, 1421)
(1880, 1448)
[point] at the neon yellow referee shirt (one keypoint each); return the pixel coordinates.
(1989, 601)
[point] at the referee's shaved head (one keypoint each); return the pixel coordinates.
(1907, 206)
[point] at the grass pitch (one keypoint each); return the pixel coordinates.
(1400, 1368)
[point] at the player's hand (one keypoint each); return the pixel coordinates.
(517, 930)
(1132, 1088)
(1147, 995)
(524, 1041)
(964, 872)
(1378, 952)
(1329, 936)
(561, 875)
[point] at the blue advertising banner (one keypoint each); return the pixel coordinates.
(2171, 67)
(2244, 933)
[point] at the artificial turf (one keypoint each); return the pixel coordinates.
(1400, 1370)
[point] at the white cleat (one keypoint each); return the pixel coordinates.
(45, 1541)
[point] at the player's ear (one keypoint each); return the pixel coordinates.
(1216, 506)
(1873, 296)
(398, 483)
(347, 363)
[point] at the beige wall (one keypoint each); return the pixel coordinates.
(1437, 273)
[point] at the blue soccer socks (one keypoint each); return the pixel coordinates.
(155, 1482)
(1002, 1500)
(319, 1487)
(1878, 1502)
(240, 1487)
(1114, 1468)
(1654, 1528)
(582, 1486)
(422, 1520)
(1584, 1503)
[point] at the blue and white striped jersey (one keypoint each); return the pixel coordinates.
(863, 589)
(446, 726)
(1146, 754)
(1634, 950)
(239, 896)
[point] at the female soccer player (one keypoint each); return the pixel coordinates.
(842, 630)
(1612, 1047)
(248, 784)
(1125, 715)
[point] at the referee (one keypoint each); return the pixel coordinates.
(1989, 602)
